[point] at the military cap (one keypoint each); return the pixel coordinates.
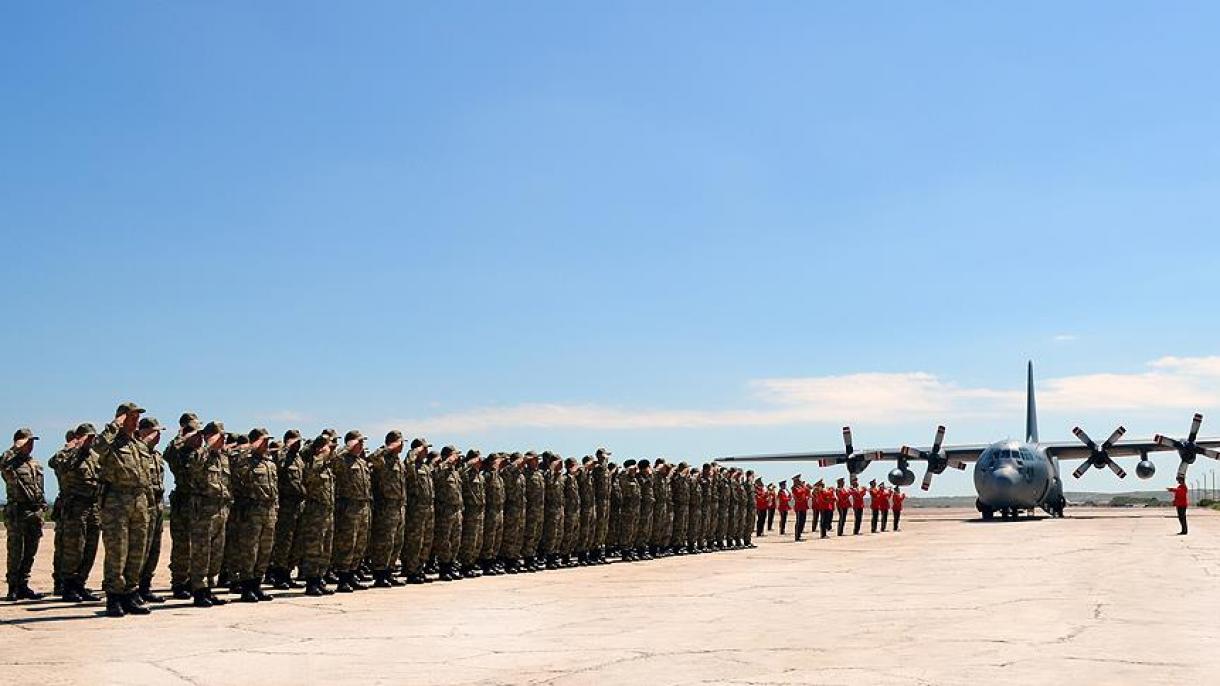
(353, 435)
(642, 463)
(448, 450)
(70, 434)
(85, 429)
(191, 426)
(291, 434)
(603, 451)
(186, 418)
(586, 459)
(24, 434)
(873, 482)
(659, 461)
(472, 454)
(273, 446)
(530, 453)
(570, 462)
(840, 480)
(683, 465)
(127, 408)
(432, 455)
(393, 436)
(319, 442)
(150, 424)
(420, 443)
(329, 433)
(258, 433)
(612, 465)
(515, 456)
(213, 428)
(628, 463)
(241, 439)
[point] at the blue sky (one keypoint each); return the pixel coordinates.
(688, 230)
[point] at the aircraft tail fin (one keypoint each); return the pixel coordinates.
(1031, 410)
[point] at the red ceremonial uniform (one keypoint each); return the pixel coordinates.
(1179, 496)
(800, 494)
(898, 498)
(857, 498)
(884, 495)
(843, 498)
(761, 501)
(785, 500)
(874, 499)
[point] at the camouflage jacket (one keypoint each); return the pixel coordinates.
(77, 472)
(290, 470)
(493, 486)
(23, 480)
(389, 484)
(353, 477)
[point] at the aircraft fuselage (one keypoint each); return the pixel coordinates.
(1016, 475)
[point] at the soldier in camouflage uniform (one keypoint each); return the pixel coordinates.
(25, 500)
(150, 436)
(474, 509)
(514, 513)
(125, 486)
(317, 528)
(420, 513)
(234, 445)
(615, 510)
(290, 470)
(77, 525)
(694, 518)
(660, 507)
(180, 509)
(256, 497)
(724, 501)
(629, 510)
(447, 482)
(600, 475)
(553, 514)
(353, 510)
(680, 485)
(56, 466)
(493, 515)
(535, 512)
(571, 511)
(707, 487)
(208, 482)
(588, 512)
(389, 495)
(648, 497)
(747, 527)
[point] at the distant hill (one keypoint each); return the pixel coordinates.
(1128, 499)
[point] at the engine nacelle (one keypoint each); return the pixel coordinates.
(1145, 469)
(902, 477)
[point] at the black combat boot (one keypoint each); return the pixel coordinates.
(146, 593)
(355, 579)
(132, 605)
(180, 592)
(313, 586)
(114, 608)
(214, 599)
(59, 587)
(247, 592)
(552, 561)
(331, 578)
(278, 579)
(345, 583)
(27, 593)
(87, 594)
(381, 580)
(201, 599)
(68, 591)
(258, 591)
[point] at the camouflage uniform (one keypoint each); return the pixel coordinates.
(629, 510)
(125, 487)
(256, 495)
(420, 515)
(389, 494)
(648, 497)
(660, 508)
(694, 518)
(552, 526)
(601, 496)
(535, 510)
(25, 499)
(179, 514)
(353, 508)
(493, 516)
(571, 514)
(77, 526)
(474, 505)
(681, 503)
(446, 540)
(54, 464)
(316, 532)
(614, 513)
(588, 513)
(290, 471)
(209, 486)
(156, 515)
(514, 514)
(724, 505)
(707, 489)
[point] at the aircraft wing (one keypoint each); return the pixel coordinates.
(1075, 450)
(826, 458)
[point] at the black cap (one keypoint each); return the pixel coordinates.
(602, 451)
(642, 463)
(472, 455)
(85, 429)
(448, 450)
(393, 436)
(24, 433)
(258, 433)
(150, 424)
(628, 463)
(214, 427)
(420, 443)
(353, 435)
(329, 433)
(187, 418)
(291, 434)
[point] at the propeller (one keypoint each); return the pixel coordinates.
(1099, 455)
(856, 463)
(937, 461)
(1187, 449)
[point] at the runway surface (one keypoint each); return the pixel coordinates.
(1107, 596)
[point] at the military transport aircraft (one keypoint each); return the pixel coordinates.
(1010, 476)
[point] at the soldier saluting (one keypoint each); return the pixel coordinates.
(125, 500)
(26, 499)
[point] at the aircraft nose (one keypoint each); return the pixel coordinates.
(1005, 477)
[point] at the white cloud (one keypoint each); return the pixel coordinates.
(1170, 383)
(1064, 337)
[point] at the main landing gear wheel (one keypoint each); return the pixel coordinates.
(987, 512)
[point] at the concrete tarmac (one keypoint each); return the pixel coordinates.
(1107, 596)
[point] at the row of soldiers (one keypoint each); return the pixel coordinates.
(246, 511)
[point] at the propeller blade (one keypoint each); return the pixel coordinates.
(1118, 433)
(1084, 467)
(1084, 438)
(1116, 469)
(1182, 467)
(927, 480)
(1166, 442)
(847, 443)
(1194, 427)
(912, 452)
(957, 464)
(940, 437)
(1210, 452)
